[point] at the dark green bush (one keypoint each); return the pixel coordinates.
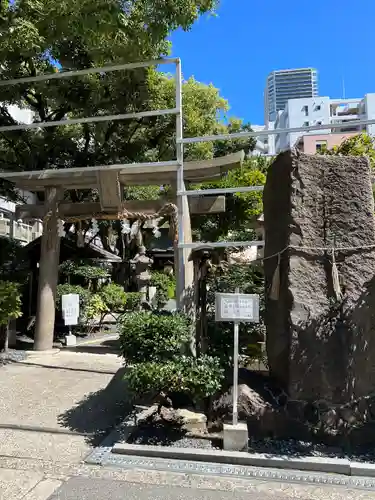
(83, 269)
(114, 297)
(133, 300)
(165, 287)
(196, 377)
(147, 336)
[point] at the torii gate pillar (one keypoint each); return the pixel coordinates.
(184, 267)
(48, 273)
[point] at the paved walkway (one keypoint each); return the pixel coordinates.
(54, 408)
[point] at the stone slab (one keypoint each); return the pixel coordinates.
(321, 347)
(97, 489)
(43, 490)
(15, 484)
(43, 446)
(363, 469)
(81, 397)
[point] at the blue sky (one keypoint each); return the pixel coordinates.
(249, 38)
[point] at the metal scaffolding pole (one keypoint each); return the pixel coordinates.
(260, 133)
(88, 71)
(89, 119)
(180, 185)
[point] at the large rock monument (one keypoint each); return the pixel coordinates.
(319, 269)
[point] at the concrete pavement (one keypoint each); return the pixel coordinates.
(116, 479)
(98, 489)
(55, 408)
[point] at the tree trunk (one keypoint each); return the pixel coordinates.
(48, 274)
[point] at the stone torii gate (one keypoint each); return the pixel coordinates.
(109, 181)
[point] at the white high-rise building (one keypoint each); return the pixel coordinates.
(312, 111)
(286, 84)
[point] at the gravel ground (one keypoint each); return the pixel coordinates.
(12, 355)
(159, 435)
(302, 448)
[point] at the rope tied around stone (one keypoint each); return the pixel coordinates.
(275, 283)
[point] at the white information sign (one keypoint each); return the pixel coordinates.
(70, 308)
(237, 307)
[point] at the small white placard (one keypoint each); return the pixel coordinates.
(70, 308)
(237, 307)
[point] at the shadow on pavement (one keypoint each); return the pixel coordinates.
(67, 368)
(99, 411)
(106, 347)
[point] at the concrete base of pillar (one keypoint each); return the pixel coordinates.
(71, 340)
(236, 437)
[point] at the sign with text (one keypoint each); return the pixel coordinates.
(70, 308)
(237, 307)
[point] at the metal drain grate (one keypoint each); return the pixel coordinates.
(103, 456)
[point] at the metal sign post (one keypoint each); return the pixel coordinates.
(235, 374)
(236, 307)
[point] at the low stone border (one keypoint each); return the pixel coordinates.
(113, 452)
(311, 464)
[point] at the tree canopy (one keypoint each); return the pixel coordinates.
(358, 145)
(44, 36)
(237, 222)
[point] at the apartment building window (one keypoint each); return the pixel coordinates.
(305, 109)
(320, 146)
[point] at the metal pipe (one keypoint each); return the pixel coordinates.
(90, 119)
(88, 71)
(200, 192)
(222, 244)
(180, 186)
(235, 368)
(243, 135)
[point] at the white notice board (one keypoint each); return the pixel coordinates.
(237, 307)
(70, 308)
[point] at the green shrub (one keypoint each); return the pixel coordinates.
(146, 336)
(82, 269)
(114, 297)
(10, 301)
(196, 377)
(95, 307)
(165, 287)
(84, 297)
(133, 301)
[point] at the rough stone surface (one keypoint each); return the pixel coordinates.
(250, 404)
(191, 420)
(183, 418)
(318, 347)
